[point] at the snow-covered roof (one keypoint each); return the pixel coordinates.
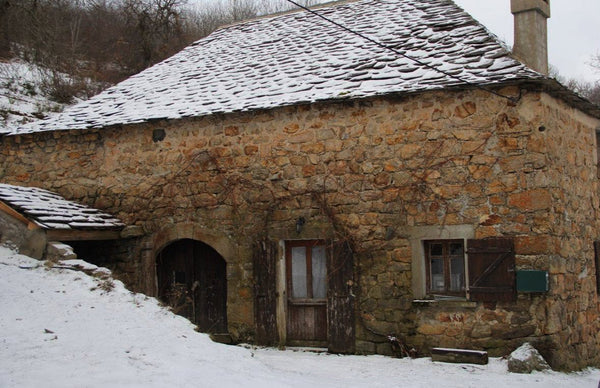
(51, 211)
(300, 58)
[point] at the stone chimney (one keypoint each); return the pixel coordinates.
(531, 32)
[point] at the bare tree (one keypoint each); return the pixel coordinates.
(108, 40)
(595, 62)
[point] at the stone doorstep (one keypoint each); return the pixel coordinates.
(223, 338)
(310, 349)
(306, 349)
(463, 356)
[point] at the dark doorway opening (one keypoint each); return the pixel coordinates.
(192, 281)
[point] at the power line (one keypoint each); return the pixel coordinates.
(419, 62)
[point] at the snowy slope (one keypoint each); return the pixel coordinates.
(63, 328)
(22, 99)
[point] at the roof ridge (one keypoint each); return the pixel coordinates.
(281, 61)
(329, 4)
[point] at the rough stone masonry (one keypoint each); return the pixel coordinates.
(373, 171)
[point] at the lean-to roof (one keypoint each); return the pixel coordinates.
(49, 210)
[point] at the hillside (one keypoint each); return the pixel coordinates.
(60, 327)
(29, 92)
(22, 98)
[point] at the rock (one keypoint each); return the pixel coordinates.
(132, 231)
(526, 359)
(58, 251)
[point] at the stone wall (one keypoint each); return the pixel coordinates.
(367, 171)
(17, 234)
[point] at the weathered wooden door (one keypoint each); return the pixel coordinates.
(192, 280)
(340, 298)
(265, 292)
(306, 267)
(492, 275)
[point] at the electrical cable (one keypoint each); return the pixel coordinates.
(417, 61)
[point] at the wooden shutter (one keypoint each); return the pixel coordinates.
(265, 292)
(597, 262)
(340, 299)
(492, 270)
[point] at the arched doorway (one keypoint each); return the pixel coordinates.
(192, 280)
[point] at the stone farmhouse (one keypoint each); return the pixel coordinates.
(398, 180)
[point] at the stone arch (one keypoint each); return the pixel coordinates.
(220, 243)
(190, 274)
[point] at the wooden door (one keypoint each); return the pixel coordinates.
(192, 281)
(306, 267)
(209, 290)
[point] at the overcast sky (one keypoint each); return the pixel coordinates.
(573, 31)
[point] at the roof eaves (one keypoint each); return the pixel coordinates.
(558, 90)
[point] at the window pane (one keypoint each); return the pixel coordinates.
(457, 274)
(437, 274)
(456, 249)
(299, 272)
(436, 249)
(319, 272)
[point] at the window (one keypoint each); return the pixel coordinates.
(445, 266)
(307, 266)
(491, 269)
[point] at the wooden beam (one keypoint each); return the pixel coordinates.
(82, 235)
(18, 216)
(459, 356)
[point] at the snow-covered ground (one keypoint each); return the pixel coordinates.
(62, 328)
(22, 98)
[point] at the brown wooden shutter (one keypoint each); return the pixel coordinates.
(340, 299)
(492, 270)
(265, 292)
(597, 262)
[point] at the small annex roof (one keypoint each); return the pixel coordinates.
(50, 211)
(300, 58)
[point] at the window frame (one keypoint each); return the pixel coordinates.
(309, 245)
(446, 256)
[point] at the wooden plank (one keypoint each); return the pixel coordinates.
(265, 294)
(463, 356)
(18, 216)
(82, 235)
(492, 270)
(340, 299)
(208, 268)
(307, 322)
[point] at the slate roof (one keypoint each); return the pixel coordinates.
(51, 211)
(299, 58)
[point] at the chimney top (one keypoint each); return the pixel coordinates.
(531, 32)
(542, 6)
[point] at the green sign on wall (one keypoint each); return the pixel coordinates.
(532, 281)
